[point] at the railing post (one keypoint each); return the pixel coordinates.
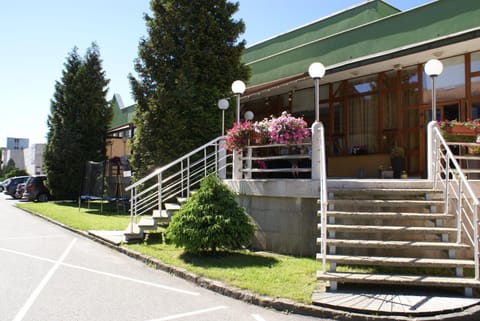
(317, 132)
(222, 163)
(237, 164)
(132, 208)
(475, 237)
(249, 162)
(459, 212)
(430, 150)
(159, 177)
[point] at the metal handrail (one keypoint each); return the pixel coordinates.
(177, 178)
(458, 193)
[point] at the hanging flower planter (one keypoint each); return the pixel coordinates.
(456, 131)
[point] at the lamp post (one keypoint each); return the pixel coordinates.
(248, 115)
(238, 88)
(316, 71)
(223, 105)
(433, 68)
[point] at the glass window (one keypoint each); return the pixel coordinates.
(475, 61)
(324, 92)
(475, 110)
(409, 76)
(363, 123)
(475, 86)
(363, 85)
(410, 96)
(338, 118)
(450, 84)
(410, 118)
(390, 110)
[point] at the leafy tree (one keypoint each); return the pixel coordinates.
(210, 220)
(78, 122)
(188, 61)
(9, 166)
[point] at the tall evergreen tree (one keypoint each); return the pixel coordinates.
(188, 61)
(78, 122)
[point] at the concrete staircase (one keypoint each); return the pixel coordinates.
(394, 227)
(146, 223)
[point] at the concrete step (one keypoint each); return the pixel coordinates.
(398, 261)
(398, 279)
(394, 244)
(388, 229)
(390, 215)
(385, 203)
(386, 191)
(171, 208)
(147, 223)
(133, 232)
(161, 216)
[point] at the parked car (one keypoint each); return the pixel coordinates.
(11, 188)
(3, 184)
(35, 189)
(19, 191)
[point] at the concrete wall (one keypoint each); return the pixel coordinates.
(285, 212)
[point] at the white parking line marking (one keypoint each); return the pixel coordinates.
(131, 279)
(15, 238)
(101, 272)
(42, 284)
(258, 317)
(188, 314)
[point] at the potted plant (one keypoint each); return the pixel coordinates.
(240, 135)
(397, 160)
(460, 131)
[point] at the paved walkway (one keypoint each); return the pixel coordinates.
(395, 301)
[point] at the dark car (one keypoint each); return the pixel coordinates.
(11, 188)
(35, 189)
(3, 184)
(19, 191)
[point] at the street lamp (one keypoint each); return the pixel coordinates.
(238, 88)
(433, 68)
(223, 105)
(248, 115)
(316, 71)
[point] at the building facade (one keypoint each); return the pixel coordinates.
(375, 94)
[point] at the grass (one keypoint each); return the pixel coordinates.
(264, 273)
(85, 219)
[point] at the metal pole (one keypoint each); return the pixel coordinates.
(238, 108)
(434, 100)
(223, 122)
(317, 103)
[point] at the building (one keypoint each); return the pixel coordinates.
(29, 158)
(375, 93)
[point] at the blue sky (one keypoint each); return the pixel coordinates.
(37, 36)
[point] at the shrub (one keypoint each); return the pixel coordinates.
(210, 220)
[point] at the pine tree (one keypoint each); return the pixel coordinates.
(188, 61)
(78, 123)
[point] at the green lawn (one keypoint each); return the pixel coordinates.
(84, 219)
(266, 274)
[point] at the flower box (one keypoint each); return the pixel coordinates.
(462, 130)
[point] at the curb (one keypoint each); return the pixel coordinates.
(280, 304)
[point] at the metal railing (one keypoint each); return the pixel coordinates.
(178, 178)
(277, 161)
(458, 194)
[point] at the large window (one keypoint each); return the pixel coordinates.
(450, 84)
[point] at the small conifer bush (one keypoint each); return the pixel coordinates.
(211, 220)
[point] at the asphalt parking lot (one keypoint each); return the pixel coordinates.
(50, 273)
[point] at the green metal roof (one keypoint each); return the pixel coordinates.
(121, 115)
(398, 30)
(347, 19)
